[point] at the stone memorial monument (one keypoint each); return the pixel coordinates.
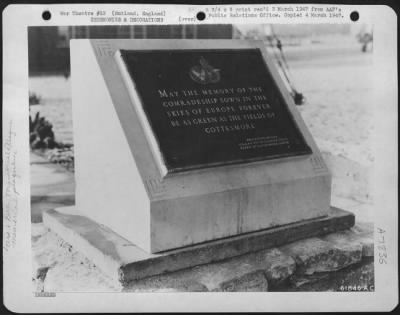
(183, 142)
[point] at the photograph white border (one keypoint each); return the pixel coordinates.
(18, 295)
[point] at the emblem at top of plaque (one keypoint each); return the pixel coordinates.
(204, 73)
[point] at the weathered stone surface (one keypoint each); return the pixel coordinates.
(352, 237)
(57, 267)
(251, 272)
(179, 281)
(251, 282)
(276, 265)
(358, 277)
(301, 280)
(174, 282)
(63, 269)
(316, 255)
(233, 275)
(75, 274)
(362, 232)
(124, 261)
(244, 273)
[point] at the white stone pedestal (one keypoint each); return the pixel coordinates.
(119, 184)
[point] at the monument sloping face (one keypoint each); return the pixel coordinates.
(179, 142)
(212, 107)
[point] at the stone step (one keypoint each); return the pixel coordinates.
(317, 255)
(123, 261)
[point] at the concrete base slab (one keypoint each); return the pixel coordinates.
(124, 261)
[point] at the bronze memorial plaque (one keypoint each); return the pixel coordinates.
(213, 107)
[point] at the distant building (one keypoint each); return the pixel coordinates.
(49, 45)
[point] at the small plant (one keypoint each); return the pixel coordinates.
(42, 139)
(41, 135)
